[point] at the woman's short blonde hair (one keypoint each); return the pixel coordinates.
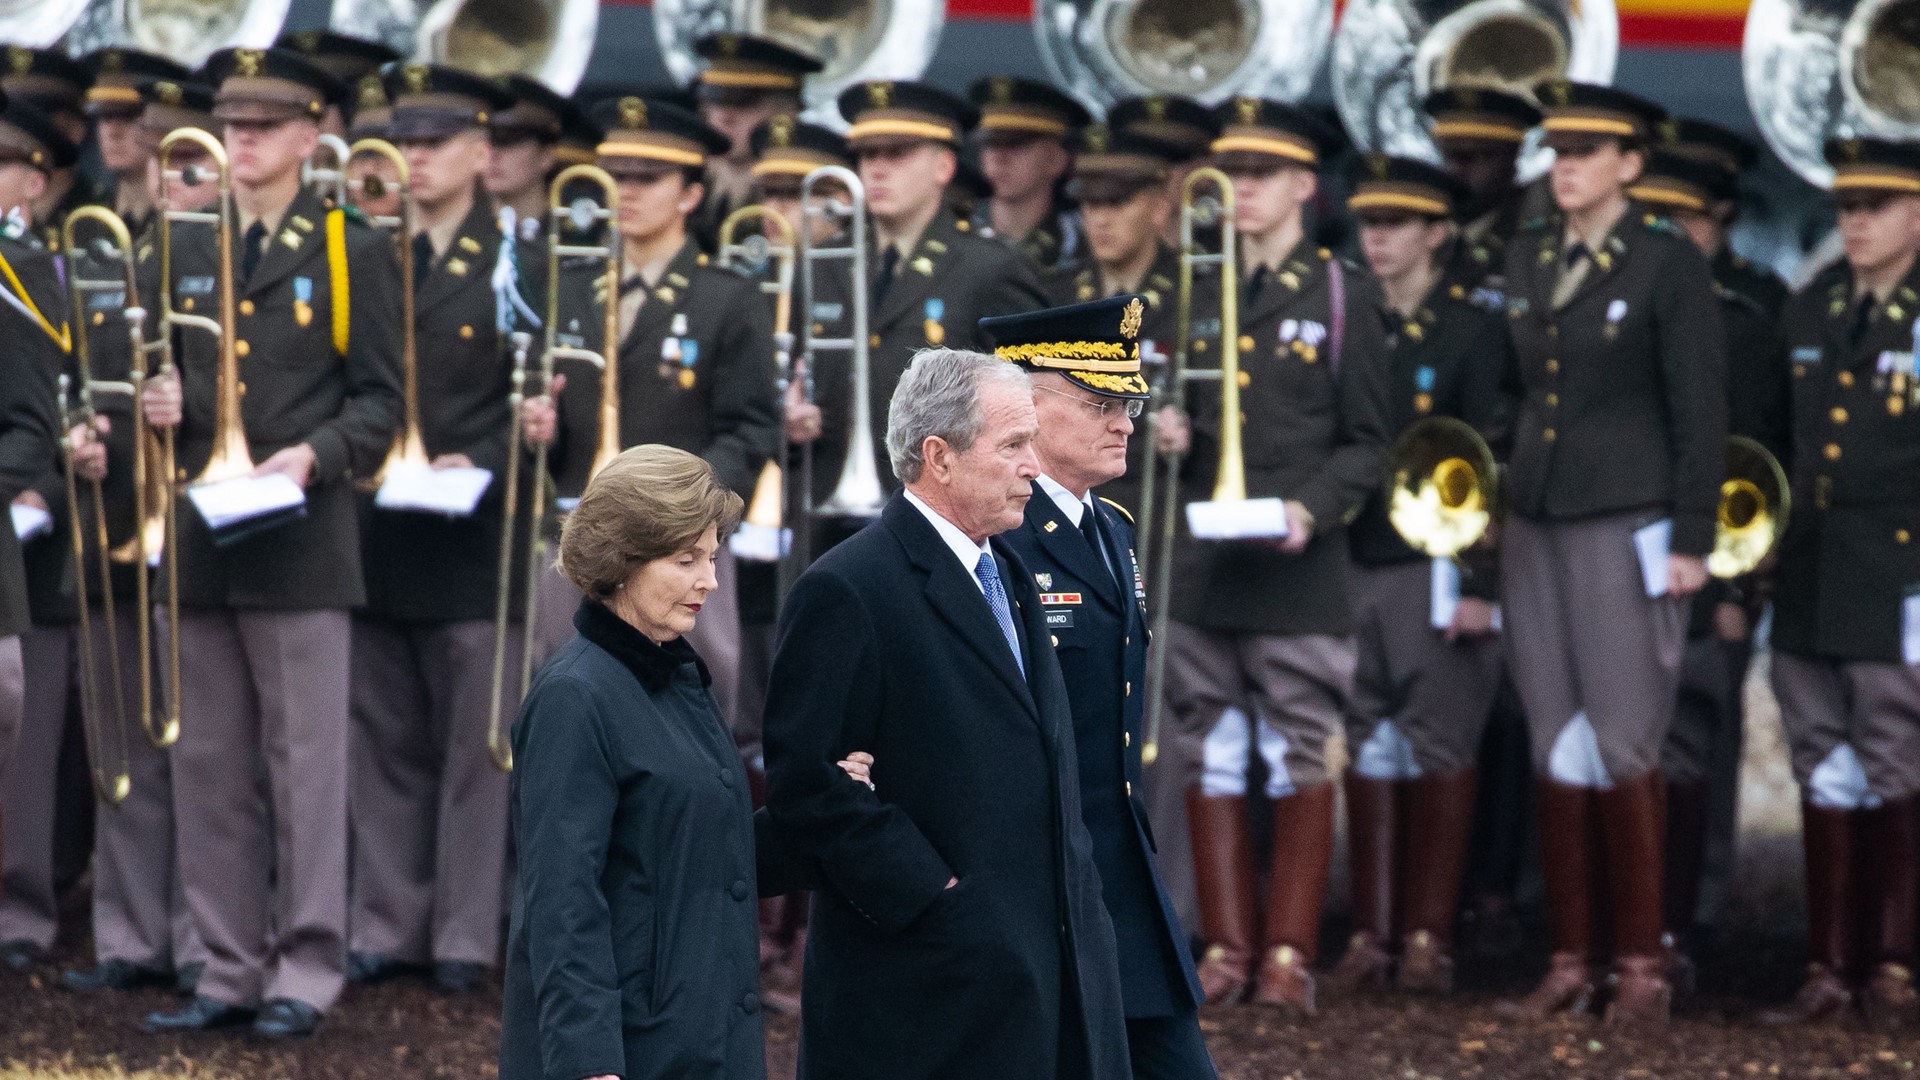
(649, 503)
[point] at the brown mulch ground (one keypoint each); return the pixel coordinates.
(406, 1030)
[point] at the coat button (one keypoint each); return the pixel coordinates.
(1553, 331)
(1129, 689)
(1129, 787)
(466, 333)
(1126, 738)
(873, 341)
(1549, 435)
(739, 890)
(1553, 401)
(99, 318)
(1055, 638)
(1901, 536)
(1832, 451)
(186, 304)
(749, 1003)
(246, 307)
(1246, 342)
(1838, 415)
(1553, 367)
(241, 348)
(1846, 378)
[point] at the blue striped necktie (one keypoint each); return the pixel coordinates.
(989, 575)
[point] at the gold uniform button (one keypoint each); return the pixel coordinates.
(1846, 378)
(1553, 367)
(1246, 342)
(99, 317)
(1055, 639)
(1838, 415)
(246, 307)
(1553, 401)
(1200, 345)
(1549, 435)
(466, 332)
(1832, 451)
(241, 348)
(1553, 331)
(873, 341)
(1245, 379)
(1901, 536)
(242, 387)
(186, 304)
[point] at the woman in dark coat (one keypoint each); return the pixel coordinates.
(634, 947)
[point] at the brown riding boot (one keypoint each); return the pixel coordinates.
(1566, 836)
(1827, 838)
(1296, 891)
(1889, 839)
(1686, 852)
(1223, 882)
(1437, 825)
(1631, 829)
(1372, 813)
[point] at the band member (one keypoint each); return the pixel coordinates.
(747, 81)
(1177, 121)
(1424, 687)
(29, 433)
(1845, 617)
(1269, 622)
(1611, 495)
(1025, 131)
(57, 86)
(1085, 363)
(350, 60)
(373, 184)
(265, 619)
(1701, 761)
(1733, 154)
(428, 806)
(114, 103)
(696, 346)
(1480, 133)
(525, 137)
(142, 935)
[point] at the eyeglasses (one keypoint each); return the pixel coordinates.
(1133, 407)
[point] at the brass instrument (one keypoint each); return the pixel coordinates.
(39, 25)
(858, 494)
(230, 458)
(1160, 487)
(549, 40)
(188, 31)
(1441, 486)
(409, 449)
(581, 216)
(1388, 55)
(1836, 69)
(762, 533)
(328, 181)
(1754, 502)
(1103, 50)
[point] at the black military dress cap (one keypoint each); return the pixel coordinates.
(579, 139)
(969, 182)
(742, 68)
(882, 113)
(1168, 118)
(1677, 182)
(1711, 143)
(1261, 133)
(1095, 345)
(647, 137)
(117, 75)
(784, 146)
(270, 85)
(372, 113)
(433, 101)
(1111, 165)
(1881, 166)
(1575, 111)
(28, 136)
(1472, 112)
(1013, 109)
(45, 78)
(346, 58)
(1385, 185)
(169, 104)
(538, 111)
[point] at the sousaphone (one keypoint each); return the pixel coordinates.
(1823, 69)
(188, 31)
(548, 40)
(1103, 50)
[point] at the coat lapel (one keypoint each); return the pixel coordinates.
(300, 236)
(663, 298)
(1065, 544)
(469, 257)
(912, 282)
(1297, 275)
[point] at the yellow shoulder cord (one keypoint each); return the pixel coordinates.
(340, 299)
(60, 337)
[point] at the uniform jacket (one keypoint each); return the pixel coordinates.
(298, 389)
(1310, 434)
(887, 645)
(29, 420)
(1849, 560)
(1097, 622)
(1623, 406)
(1756, 283)
(424, 566)
(696, 371)
(1054, 244)
(1477, 265)
(634, 941)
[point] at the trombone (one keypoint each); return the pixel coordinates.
(230, 458)
(330, 183)
(1160, 487)
(858, 493)
(762, 536)
(1755, 499)
(409, 449)
(583, 214)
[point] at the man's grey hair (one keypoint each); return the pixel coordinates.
(940, 396)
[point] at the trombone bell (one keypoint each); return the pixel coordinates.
(1753, 509)
(1440, 484)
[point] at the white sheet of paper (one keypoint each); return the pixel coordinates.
(30, 521)
(230, 502)
(1253, 519)
(759, 543)
(1445, 596)
(1909, 628)
(1653, 542)
(448, 492)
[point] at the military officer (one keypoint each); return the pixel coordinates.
(142, 935)
(428, 806)
(35, 642)
(1025, 133)
(1700, 763)
(695, 355)
(1846, 632)
(1273, 616)
(265, 626)
(1479, 133)
(525, 136)
(56, 85)
(114, 104)
(349, 59)
(1087, 391)
(1427, 675)
(1177, 121)
(746, 81)
(1733, 154)
(1611, 495)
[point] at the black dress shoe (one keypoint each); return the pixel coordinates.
(203, 1014)
(458, 976)
(370, 969)
(285, 1018)
(21, 955)
(115, 974)
(188, 981)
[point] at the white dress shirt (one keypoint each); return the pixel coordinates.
(959, 543)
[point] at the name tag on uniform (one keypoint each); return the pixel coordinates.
(106, 301)
(197, 285)
(828, 311)
(1806, 354)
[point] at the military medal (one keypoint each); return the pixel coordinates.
(689, 352)
(1423, 381)
(302, 300)
(935, 310)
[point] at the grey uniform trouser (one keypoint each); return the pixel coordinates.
(29, 779)
(1853, 728)
(1298, 685)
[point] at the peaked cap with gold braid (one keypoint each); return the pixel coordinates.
(1095, 345)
